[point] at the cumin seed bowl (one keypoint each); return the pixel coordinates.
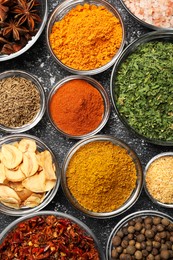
(137, 86)
(25, 189)
(97, 189)
(71, 223)
(14, 48)
(59, 13)
(20, 112)
(158, 176)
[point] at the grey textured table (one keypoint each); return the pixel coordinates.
(38, 61)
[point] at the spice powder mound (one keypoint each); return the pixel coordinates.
(19, 101)
(101, 176)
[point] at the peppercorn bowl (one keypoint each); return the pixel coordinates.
(81, 52)
(141, 87)
(78, 106)
(102, 176)
(143, 235)
(52, 228)
(26, 29)
(158, 175)
(22, 101)
(30, 174)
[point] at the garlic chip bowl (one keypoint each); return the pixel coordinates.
(29, 174)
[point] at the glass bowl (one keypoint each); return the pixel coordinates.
(97, 86)
(128, 221)
(43, 13)
(163, 37)
(62, 10)
(85, 230)
(39, 88)
(159, 177)
(49, 195)
(138, 183)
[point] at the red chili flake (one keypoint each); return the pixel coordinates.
(48, 237)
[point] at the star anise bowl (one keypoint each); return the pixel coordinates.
(21, 24)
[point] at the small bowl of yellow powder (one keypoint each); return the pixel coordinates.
(85, 37)
(159, 179)
(102, 176)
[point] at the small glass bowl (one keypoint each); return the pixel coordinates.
(63, 9)
(135, 193)
(122, 223)
(41, 146)
(96, 85)
(131, 48)
(161, 155)
(59, 215)
(40, 113)
(43, 13)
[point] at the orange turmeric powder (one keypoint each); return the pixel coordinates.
(101, 176)
(87, 37)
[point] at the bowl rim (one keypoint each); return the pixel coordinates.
(147, 37)
(135, 193)
(163, 154)
(32, 41)
(39, 87)
(58, 214)
(67, 3)
(123, 221)
(50, 194)
(95, 84)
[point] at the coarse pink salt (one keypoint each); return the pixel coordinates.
(155, 12)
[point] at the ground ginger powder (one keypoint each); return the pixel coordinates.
(101, 176)
(87, 37)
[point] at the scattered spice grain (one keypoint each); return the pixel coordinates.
(159, 179)
(87, 37)
(101, 176)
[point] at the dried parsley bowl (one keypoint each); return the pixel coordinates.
(17, 109)
(142, 87)
(28, 144)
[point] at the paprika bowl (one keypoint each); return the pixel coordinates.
(95, 165)
(57, 15)
(79, 109)
(14, 102)
(20, 194)
(67, 223)
(134, 102)
(135, 221)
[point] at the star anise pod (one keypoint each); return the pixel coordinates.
(4, 9)
(13, 28)
(24, 11)
(10, 48)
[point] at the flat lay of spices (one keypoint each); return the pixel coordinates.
(19, 101)
(101, 176)
(159, 179)
(146, 237)
(18, 24)
(87, 37)
(144, 90)
(48, 237)
(156, 12)
(77, 107)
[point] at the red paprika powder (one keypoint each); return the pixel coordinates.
(77, 107)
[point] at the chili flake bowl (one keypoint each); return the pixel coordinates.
(61, 10)
(135, 192)
(21, 104)
(43, 13)
(69, 221)
(144, 96)
(95, 84)
(125, 222)
(29, 145)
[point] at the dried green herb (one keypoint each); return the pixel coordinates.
(144, 90)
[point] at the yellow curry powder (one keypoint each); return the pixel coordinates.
(101, 176)
(87, 37)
